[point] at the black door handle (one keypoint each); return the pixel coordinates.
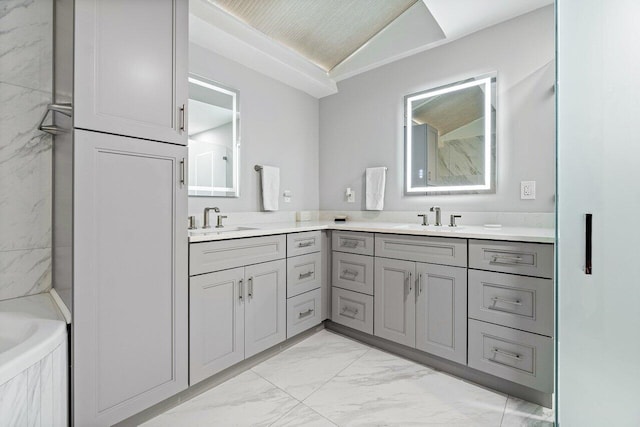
(588, 229)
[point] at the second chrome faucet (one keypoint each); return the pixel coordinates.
(438, 212)
(207, 223)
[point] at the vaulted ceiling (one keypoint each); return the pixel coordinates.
(312, 44)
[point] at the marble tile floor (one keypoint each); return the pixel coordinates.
(331, 380)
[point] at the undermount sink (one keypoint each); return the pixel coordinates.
(429, 227)
(204, 231)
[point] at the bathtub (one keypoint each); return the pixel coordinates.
(33, 371)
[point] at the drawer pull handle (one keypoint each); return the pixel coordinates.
(352, 244)
(305, 244)
(506, 301)
(305, 313)
(241, 289)
(305, 275)
(506, 353)
(346, 310)
(349, 272)
(250, 287)
(502, 259)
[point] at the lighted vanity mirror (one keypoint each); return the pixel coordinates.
(450, 138)
(214, 143)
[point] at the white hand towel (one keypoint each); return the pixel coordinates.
(270, 179)
(375, 182)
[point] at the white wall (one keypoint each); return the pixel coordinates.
(278, 126)
(362, 125)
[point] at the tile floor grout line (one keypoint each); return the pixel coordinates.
(316, 412)
(286, 413)
(504, 411)
(279, 388)
(338, 373)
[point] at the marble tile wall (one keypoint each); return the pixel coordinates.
(38, 395)
(25, 153)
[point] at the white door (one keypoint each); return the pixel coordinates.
(131, 65)
(394, 312)
(441, 311)
(216, 322)
(598, 174)
(266, 306)
(130, 296)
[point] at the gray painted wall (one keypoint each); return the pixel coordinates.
(362, 125)
(278, 126)
(25, 152)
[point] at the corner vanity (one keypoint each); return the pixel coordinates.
(475, 302)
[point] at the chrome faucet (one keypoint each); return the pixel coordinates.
(436, 209)
(206, 216)
(424, 219)
(219, 221)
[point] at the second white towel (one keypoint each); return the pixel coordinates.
(270, 180)
(375, 183)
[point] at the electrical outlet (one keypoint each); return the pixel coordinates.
(527, 190)
(287, 196)
(351, 195)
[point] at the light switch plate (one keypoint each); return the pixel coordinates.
(527, 190)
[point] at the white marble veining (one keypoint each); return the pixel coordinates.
(520, 413)
(25, 170)
(26, 49)
(381, 386)
(507, 219)
(37, 396)
(26, 54)
(302, 415)
(304, 368)
(24, 272)
(246, 400)
(370, 387)
(520, 234)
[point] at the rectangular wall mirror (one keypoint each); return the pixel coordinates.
(214, 142)
(450, 138)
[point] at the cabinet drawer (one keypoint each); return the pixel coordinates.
(514, 355)
(515, 301)
(223, 254)
(352, 309)
(530, 259)
(304, 273)
(352, 272)
(352, 242)
(304, 311)
(434, 250)
(303, 243)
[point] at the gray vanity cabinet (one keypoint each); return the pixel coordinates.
(217, 322)
(235, 314)
(237, 301)
(441, 311)
(265, 306)
(394, 301)
(130, 68)
(423, 306)
(130, 301)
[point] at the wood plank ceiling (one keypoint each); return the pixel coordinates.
(325, 31)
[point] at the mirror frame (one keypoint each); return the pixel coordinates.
(234, 190)
(490, 151)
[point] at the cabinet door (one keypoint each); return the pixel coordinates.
(130, 298)
(216, 322)
(394, 314)
(266, 306)
(441, 311)
(131, 68)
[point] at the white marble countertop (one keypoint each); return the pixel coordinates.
(41, 306)
(519, 234)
